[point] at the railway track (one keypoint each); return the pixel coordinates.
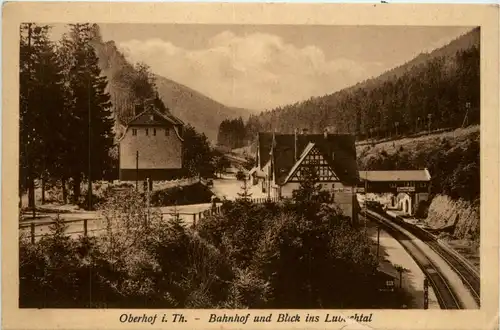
(445, 295)
(469, 276)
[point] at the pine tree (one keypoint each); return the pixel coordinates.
(245, 190)
(41, 108)
(89, 127)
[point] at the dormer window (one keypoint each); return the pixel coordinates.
(151, 118)
(134, 131)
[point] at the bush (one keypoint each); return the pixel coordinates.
(422, 209)
(249, 256)
(191, 194)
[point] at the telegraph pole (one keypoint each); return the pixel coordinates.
(137, 170)
(31, 180)
(90, 141)
(466, 118)
(378, 241)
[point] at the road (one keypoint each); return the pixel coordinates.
(450, 290)
(226, 186)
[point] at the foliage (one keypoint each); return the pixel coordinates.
(453, 164)
(245, 189)
(183, 195)
(232, 133)
(197, 154)
(219, 162)
(247, 256)
(65, 110)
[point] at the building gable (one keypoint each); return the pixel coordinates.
(339, 149)
(150, 118)
(313, 158)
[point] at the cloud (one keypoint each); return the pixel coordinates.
(258, 71)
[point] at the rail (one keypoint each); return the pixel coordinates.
(446, 296)
(467, 273)
(193, 217)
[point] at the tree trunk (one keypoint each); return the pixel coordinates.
(43, 191)
(77, 180)
(31, 195)
(64, 191)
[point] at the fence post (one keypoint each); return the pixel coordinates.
(85, 227)
(32, 225)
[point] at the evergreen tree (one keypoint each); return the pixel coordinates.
(197, 156)
(89, 127)
(41, 108)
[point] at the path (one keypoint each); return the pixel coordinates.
(393, 253)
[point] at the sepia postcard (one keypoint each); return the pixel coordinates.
(245, 166)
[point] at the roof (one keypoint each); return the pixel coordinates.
(342, 145)
(258, 173)
(309, 147)
(391, 176)
(153, 117)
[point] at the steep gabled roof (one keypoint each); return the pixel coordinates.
(306, 151)
(152, 117)
(341, 145)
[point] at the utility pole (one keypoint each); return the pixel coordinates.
(90, 141)
(31, 180)
(147, 201)
(137, 170)
(466, 118)
(366, 196)
(426, 293)
(378, 241)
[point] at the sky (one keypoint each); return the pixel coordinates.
(260, 67)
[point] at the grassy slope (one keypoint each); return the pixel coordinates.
(418, 144)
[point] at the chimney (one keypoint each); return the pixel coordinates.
(304, 131)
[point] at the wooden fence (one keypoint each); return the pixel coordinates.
(87, 226)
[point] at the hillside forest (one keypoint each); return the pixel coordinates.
(439, 90)
(433, 92)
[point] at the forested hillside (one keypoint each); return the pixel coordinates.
(453, 160)
(432, 91)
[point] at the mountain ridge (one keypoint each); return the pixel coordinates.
(191, 106)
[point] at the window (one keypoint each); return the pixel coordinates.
(147, 131)
(167, 132)
(154, 131)
(134, 131)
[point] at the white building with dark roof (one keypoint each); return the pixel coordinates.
(151, 146)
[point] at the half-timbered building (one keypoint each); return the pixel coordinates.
(284, 158)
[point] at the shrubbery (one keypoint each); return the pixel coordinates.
(191, 194)
(272, 255)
